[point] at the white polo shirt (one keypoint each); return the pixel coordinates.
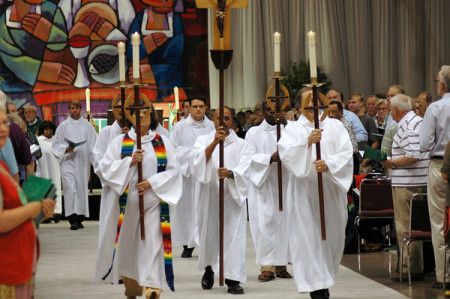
(406, 144)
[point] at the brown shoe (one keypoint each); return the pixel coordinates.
(284, 274)
(266, 276)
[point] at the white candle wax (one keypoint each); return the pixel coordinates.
(135, 41)
(312, 54)
(88, 100)
(177, 99)
(121, 50)
(276, 51)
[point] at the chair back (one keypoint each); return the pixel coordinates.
(419, 216)
(376, 194)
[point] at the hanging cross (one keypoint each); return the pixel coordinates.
(222, 13)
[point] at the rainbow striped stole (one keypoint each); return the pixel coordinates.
(161, 157)
(127, 150)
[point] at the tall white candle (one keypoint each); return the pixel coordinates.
(177, 99)
(88, 100)
(312, 54)
(276, 51)
(135, 41)
(121, 50)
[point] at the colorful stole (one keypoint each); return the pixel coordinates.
(161, 157)
(127, 150)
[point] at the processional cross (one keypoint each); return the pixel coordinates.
(316, 107)
(221, 56)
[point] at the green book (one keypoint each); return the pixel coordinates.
(75, 144)
(374, 154)
(37, 188)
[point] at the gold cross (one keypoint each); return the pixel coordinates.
(225, 15)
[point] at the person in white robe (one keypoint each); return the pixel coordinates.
(183, 137)
(268, 225)
(315, 262)
(140, 263)
(104, 139)
(205, 167)
(75, 162)
(47, 166)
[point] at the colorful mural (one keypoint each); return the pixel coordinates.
(51, 51)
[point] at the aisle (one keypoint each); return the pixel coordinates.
(67, 262)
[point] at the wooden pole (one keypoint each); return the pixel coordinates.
(318, 157)
(221, 60)
(123, 120)
(221, 181)
(280, 174)
(137, 113)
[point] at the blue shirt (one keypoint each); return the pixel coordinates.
(7, 156)
(360, 132)
(435, 132)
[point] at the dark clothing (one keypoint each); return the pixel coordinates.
(34, 127)
(371, 128)
(20, 144)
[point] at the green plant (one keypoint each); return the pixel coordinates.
(300, 75)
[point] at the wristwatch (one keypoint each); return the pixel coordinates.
(231, 175)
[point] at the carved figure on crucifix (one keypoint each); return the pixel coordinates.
(222, 11)
(220, 16)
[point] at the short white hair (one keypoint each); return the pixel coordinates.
(402, 102)
(444, 76)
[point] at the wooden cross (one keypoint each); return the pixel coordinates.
(223, 13)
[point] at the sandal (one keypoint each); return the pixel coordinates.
(284, 274)
(151, 293)
(266, 276)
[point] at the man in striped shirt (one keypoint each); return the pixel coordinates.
(409, 175)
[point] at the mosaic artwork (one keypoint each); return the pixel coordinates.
(51, 51)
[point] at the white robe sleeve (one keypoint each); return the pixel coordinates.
(238, 187)
(167, 185)
(92, 139)
(201, 170)
(60, 144)
(112, 167)
(100, 148)
(294, 151)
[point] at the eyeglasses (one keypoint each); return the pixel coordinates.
(381, 109)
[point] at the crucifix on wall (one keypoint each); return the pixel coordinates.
(222, 13)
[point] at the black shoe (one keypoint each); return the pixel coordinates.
(208, 279)
(187, 252)
(320, 294)
(234, 287)
(49, 220)
(74, 226)
(56, 217)
(80, 220)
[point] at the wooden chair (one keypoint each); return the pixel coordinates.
(375, 203)
(419, 227)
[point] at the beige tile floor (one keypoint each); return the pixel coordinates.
(67, 261)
